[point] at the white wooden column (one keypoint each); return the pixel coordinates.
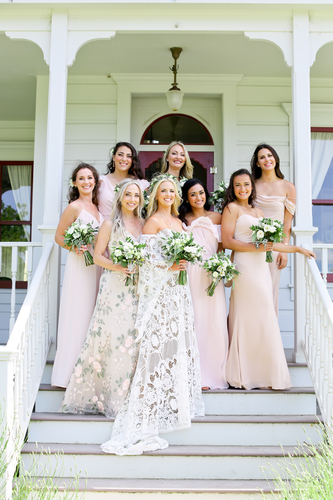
(303, 229)
(55, 150)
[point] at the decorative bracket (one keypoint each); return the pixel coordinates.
(283, 40)
(317, 41)
(76, 40)
(41, 38)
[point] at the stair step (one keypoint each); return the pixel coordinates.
(299, 374)
(176, 462)
(294, 401)
(96, 489)
(208, 430)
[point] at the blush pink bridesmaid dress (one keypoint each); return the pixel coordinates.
(274, 208)
(210, 313)
(106, 194)
(78, 297)
(256, 357)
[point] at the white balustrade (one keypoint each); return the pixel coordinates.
(28, 262)
(318, 342)
(23, 359)
(324, 247)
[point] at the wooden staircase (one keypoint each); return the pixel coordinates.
(222, 453)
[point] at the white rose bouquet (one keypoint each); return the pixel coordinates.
(267, 230)
(182, 246)
(81, 234)
(217, 196)
(219, 266)
(128, 254)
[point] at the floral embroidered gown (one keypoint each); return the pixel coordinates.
(104, 370)
(166, 391)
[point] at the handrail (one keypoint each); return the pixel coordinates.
(14, 271)
(318, 343)
(324, 247)
(23, 359)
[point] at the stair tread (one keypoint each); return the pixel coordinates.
(292, 390)
(173, 450)
(70, 417)
(289, 363)
(168, 485)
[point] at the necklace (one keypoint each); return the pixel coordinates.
(167, 220)
(130, 221)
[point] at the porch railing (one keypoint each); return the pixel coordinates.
(23, 359)
(318, 340)
(324, 247)
(29, 248)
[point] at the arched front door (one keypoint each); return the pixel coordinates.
(184, 128)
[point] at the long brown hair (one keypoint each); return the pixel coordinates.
(135, 169)
(230, 192)
(256, 170)
(73, 192)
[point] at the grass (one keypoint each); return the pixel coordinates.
(310, 478)
(39, 482)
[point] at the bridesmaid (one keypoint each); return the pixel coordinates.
(276, 197)
(210, 313)
(105, 366)
(176, 161)
(80, 283)
(124, 164)
(165, 393)
(256, 357)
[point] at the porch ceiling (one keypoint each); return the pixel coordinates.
(209, 53)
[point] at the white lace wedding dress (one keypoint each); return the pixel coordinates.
(166, 389)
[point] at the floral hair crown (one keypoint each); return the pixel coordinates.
(165, 177)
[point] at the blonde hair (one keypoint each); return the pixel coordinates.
(153, 203)
(116, 216)
(187, 168)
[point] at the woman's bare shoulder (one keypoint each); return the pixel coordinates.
(152, 225)
(215, 217)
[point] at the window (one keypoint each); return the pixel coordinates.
(176, 127)
(322, 190)
(15, 217)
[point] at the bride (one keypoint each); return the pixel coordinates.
(165, 392)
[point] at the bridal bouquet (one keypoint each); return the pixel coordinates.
(217, 196)
(79, 234)
(128, 254)
(182, 246)
(267, 230)
(219, 266)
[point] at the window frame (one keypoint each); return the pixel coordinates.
(323, 202)
(145, 133)
(19, 284)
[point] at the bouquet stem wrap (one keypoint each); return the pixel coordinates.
(88, 258)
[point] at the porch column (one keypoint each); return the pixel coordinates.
(303, 229)
(55, 147)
